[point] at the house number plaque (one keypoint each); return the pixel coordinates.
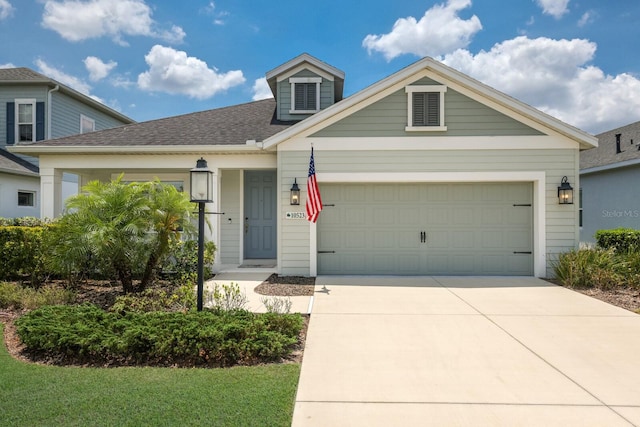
(296, 215)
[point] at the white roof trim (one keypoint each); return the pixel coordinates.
(305, 57)
(134, 149)
(610, 166)
(584, 139)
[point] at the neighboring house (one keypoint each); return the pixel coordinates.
(33, 108)
(426, 172)
(19, 186)
(609, 174)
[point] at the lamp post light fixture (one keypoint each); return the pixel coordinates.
(201, 187)
(294, 198)
(565, 192)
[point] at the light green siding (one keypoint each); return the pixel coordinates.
(284, 96)
(463, 117)
(230, 205)
(561, 221)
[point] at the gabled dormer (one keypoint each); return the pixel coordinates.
(303, 86)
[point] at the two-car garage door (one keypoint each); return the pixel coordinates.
(426, 229)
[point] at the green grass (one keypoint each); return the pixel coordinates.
(34, 395)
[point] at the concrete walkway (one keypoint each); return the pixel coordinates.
(247, 282)
(466, 351)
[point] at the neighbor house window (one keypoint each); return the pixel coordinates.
(87, 124)
(26, 198)
(425, 110)
(25, 120)
(580, 206)
(305, 95)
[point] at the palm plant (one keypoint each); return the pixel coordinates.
(125, 226)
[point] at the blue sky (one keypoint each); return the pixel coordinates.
(575, 59)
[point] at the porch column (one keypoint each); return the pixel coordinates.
(50, 192)
(214, 234)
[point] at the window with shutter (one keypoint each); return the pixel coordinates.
(425, 108)
(25, 120)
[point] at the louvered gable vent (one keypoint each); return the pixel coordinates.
(426, 109)
(305, 96)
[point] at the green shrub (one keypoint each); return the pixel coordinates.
(181, 266)
(182, 298)
(90, 335)
(585, 268)
(22, 253)
(27, 221)
(16, 296)
(621, 239)
(226, 297)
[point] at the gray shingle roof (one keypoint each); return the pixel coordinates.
(22, 75)
(607, 154)
(223, 126)
(10, 163)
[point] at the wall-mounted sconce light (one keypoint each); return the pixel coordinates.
(565, 192)
(294, 198)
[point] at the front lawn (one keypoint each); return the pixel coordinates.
(33, 395)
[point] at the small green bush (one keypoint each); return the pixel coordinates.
(182, 298)
(88, 334)
(586, 268)
(16, 296)
(182, 263)
(621, 239)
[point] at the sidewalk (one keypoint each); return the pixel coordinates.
(248, 281)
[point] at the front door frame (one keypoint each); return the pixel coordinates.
(245, 207)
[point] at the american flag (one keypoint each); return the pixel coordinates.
(314, 202)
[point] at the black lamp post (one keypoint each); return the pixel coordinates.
(201, 193)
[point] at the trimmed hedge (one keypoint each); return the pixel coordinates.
(21, 252)
(621, 239)
(87, 334)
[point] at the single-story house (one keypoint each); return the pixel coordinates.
(609, 194)
(426, 172)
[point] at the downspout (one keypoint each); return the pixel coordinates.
(49, 108)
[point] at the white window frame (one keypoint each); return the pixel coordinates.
(89, 120)
(33, 194)
(18, 103)
(293, 81)
(424, 88)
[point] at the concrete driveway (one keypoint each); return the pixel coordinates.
(462, 351)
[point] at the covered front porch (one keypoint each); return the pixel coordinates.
(238, 217)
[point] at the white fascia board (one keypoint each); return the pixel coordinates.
(21, 173)
(447, 76)
(305, 57)
(459, 82)
(301, 67)
(132, 149)
(426, 143)
(609, 167)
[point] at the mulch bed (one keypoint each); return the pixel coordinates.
(104, 294)
(286, 286)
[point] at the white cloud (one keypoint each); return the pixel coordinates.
(261, 89)
(6, 10)
(439, 31)
(63, 78)
(172, 71)
(555, 76)
(555, 8)
(7, 65)
(77, 20)
(587, 18)
(98, 69)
